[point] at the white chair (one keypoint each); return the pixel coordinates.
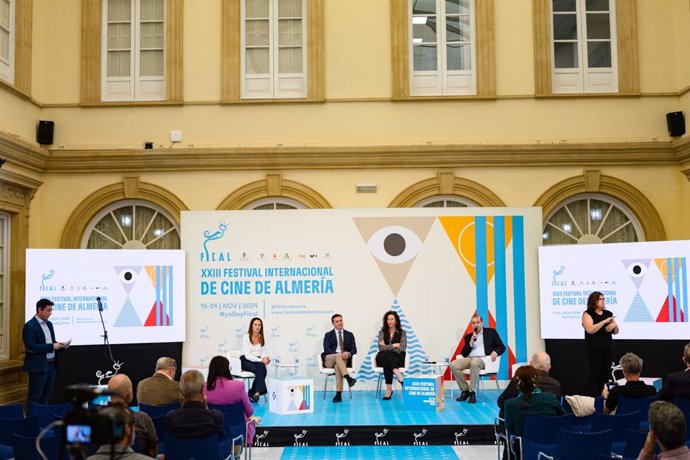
(330, 372)
(490, 368)
(379, 371)
(236, 369)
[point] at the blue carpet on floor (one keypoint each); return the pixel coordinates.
(369, 453)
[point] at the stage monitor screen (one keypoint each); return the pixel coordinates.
(141, 294)
(645, 285)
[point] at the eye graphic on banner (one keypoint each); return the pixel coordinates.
(394, 244)
(637, 271)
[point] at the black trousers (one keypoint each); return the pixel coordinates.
(389, 360)
(599, 361)
(259, 370)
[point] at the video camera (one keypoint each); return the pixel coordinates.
(84, 425)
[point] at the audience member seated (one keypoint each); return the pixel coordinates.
(222, 389)
(541, 361)
(120, 389)
(529, 401)
(634, 388)
(160, 389)
(678, 383)
(123, 423)
(194, 420)
(667, 427)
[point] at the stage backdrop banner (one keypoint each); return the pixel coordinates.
(296, 268)
(645, 285)
(142, 293)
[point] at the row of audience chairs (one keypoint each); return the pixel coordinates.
(18, 433)
(619, 436)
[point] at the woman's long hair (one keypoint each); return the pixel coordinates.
(527, 381)
(592, 300)
(218, 367)
(398, 326)
(261, 333)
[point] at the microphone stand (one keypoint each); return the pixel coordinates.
(106, 343)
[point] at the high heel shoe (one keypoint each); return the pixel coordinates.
(401, 382)
(386, 398)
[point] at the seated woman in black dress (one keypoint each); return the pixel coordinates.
(392, 346)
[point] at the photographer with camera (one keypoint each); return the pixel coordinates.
(120, 389)
(122, 436)
(634, 388)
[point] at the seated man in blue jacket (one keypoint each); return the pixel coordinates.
(338, 347)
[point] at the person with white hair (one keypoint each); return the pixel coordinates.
(160, 389)
(541, 361)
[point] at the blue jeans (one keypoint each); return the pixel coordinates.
(40, 388)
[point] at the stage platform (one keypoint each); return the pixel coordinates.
(367, 421)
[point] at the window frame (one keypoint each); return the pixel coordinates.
(633, 221)
(133, 203)
(485, 52)
(134, 81)
(91, 81)
(7, 66)
(443, 76)
(626, 34)
(274, 79)
(582, 79)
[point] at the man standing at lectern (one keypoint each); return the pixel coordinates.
(40, 360)
(480, 343)
(338, 347)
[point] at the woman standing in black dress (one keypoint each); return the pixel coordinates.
(599, 325)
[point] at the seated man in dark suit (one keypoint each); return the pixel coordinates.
(338, 347)
(484, 341)
(634, 388)
(160, 389)
(194, 420)
(678, 383)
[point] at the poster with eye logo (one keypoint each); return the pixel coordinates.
(295, 269)
(141, 294)
(645, 286)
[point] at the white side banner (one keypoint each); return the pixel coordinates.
(645, 285)
(142, 293)
(296, 268)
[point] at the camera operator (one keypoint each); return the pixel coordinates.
(634, 388)
(122, 436)
(121, 392)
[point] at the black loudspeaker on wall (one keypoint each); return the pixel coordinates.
(676, 123)
(44, 132)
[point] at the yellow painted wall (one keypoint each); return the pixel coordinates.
(514, 48)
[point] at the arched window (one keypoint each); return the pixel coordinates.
(591, 218)
(446, 201)
(274, 203)
(132, 224)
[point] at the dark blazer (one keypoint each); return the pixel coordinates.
(36, 346)
(492, 342)
(194, 421)
(677, 384)
(330, 343)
